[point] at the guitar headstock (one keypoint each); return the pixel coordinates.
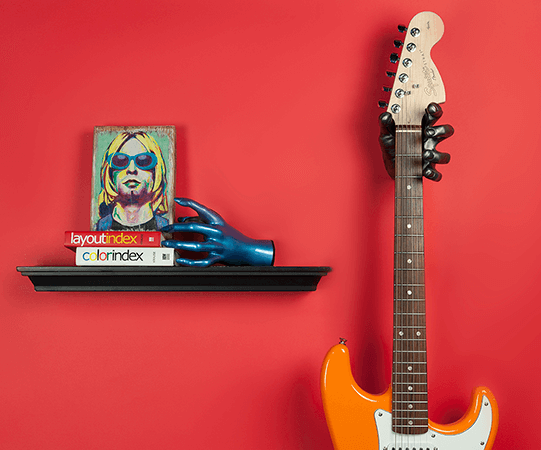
(417, 80)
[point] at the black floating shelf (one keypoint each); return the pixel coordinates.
(216, 278)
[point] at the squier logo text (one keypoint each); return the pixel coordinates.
(126, 255)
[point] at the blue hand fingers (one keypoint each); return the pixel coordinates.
(207, 214)
(194, 246)
(192, 227)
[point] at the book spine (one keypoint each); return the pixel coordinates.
(75, 239)
(124, 256)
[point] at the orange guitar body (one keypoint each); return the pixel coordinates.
(351, 412)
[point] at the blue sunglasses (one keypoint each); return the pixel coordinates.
(144, 161)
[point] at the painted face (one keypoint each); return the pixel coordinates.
(133, 183)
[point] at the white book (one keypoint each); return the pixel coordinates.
(124, 256)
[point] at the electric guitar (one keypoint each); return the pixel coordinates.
(398, 418)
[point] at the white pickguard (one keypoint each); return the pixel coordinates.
(474, 438)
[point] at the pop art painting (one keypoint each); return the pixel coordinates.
(133, 177)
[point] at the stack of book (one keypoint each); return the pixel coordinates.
(119, 248)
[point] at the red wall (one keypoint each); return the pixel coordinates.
(275, 107)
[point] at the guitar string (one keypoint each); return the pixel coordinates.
(396, 285)
(410, 308)
(406, 356)
(398, 277)
(409, 305)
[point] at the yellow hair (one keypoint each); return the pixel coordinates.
(108, 193)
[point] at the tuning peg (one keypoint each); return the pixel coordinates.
(391, 74)
(387, 89)
(398, 43)
(394, 58)
(402, 28)
(383, 104)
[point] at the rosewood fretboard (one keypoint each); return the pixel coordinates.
(409, 380)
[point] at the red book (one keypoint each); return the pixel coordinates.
(75, 239)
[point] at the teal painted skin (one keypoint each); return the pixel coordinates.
(223, 243)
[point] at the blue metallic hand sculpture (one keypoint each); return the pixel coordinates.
(222, 242)
(431, 136)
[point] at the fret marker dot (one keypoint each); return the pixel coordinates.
(418, 333)
(410, 388)
(409, 186)
(410, 368)
(409, 292)
(410, 406)
(401, 333)
(409, 261)
(409, 225)
(410, 422)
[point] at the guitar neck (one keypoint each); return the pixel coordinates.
(409, 381)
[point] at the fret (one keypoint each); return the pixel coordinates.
(419, 397)
(412, 419)
(419, 394)
(411, 422)
(419, 401)
(410, 372)
(419, 372)
(417, 129)
(410, 351)
(402, 339)
(406, 373)
(409, 363)
(410, 410)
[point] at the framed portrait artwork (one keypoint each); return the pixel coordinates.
(133, 178)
